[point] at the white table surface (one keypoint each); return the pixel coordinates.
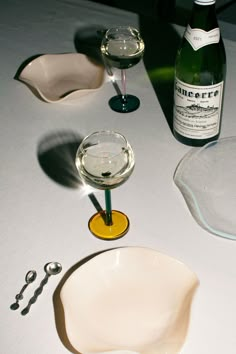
(42, 220)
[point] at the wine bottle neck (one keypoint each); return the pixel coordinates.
(203, 16)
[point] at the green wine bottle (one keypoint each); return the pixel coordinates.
(200, 71)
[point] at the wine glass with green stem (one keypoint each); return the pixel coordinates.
(105, 160)
(122, 47)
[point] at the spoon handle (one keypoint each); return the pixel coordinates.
(18, 297)
(37, 292)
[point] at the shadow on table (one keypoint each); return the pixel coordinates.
(161, 45)
(58, 306)
(87, 40)
(56, 155)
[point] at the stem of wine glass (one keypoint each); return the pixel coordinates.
(108, 207)
(123, 82)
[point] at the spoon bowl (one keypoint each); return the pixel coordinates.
(30, 276)
(53, 268)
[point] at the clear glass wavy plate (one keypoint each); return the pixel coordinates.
(206, 178)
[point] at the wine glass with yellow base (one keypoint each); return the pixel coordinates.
(105, 160)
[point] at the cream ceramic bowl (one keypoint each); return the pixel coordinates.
(129, 300)
(63, 77)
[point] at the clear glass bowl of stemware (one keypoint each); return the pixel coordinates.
(105, 160)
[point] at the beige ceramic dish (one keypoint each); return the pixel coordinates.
(129, 300)
(63, 77)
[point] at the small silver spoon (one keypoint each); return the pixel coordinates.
(51, 268)
(29, 278)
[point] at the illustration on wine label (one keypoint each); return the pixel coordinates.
(197, 110)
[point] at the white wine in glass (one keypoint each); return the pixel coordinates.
(105, 160)
(123, 48)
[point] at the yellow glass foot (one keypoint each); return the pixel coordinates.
(119, 227)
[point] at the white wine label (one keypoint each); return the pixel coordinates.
(199, 38)
(197, 110)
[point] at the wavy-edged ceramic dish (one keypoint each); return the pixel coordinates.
(130, 300)
(63, 77)
(206, 178)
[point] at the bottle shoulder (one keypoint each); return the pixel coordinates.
(204, 66)
(186, 49)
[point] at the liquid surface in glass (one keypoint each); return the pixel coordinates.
(123, 54)
(105, 165)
